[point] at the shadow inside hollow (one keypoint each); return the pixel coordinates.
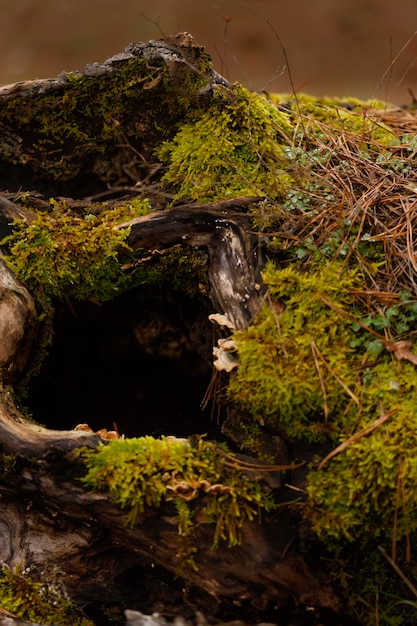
(129, 363)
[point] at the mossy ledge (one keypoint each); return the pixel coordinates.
(201, 479)
(103, 117)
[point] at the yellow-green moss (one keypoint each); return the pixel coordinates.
(97, 111)
(62, 254)
(306, 144)
(204, 485)
(75, 254)
(235, 148)
(315, 366)
(34, 601)
(296, 366)
(87, 110)
(370, 489)
(348, 115)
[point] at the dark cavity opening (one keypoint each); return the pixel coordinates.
(132, 362)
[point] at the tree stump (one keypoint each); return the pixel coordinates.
(85, 138)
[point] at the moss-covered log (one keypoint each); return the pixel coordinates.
(86, 129)
(110, 250)
(183, 257)
(49, 521)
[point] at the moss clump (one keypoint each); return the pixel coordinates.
(182, 269)
(202, 483)
(75, 254)
(235, 148)
(311, 366)
(40, 602)
(370, 489)
(296, 366)
(317, 363)
(63, 254)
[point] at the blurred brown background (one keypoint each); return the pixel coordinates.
(334, 47)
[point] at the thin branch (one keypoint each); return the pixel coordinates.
(398, 571)
(383, 418)
(314, 352)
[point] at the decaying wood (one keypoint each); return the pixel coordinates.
(56, 523)
(126, 129)
(225, 233)
(47, 518)
(17, 323)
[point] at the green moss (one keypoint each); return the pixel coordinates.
(9, 462)
(204, 485)
(75, 254)
(375, 594)
(316, 371)
(297, 367)
(40, 602)
(311, 366)
(314, 363)
(235, 148)
(84, 111)
(326, 135)
(316, 116)
(67, 255)
(182, 269)
(371, 487)
(98, 112)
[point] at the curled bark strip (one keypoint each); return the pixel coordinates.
(233, 254)
(17, 324)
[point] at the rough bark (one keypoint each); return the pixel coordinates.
(79, 133)
(224, 231)
(47, 518)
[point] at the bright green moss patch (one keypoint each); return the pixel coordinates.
(315, 366)
(296, 366)
(204, 485)
(74, 255)
(371, 487)
(235, 148)
(40, 602)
